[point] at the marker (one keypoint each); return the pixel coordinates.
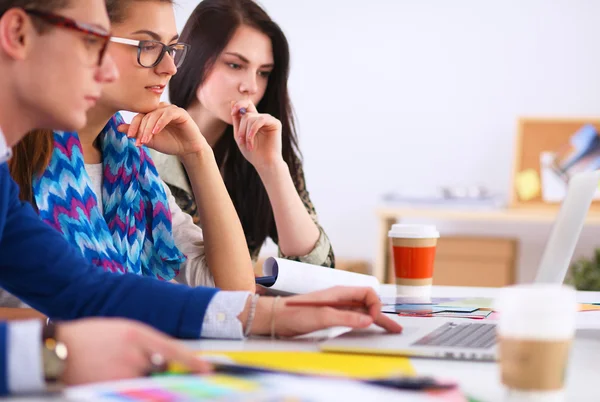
(414, 383)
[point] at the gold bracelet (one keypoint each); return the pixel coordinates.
(273, 317)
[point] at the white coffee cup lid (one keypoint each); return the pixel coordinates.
(414, 231)
(537, 311)
(537, 298)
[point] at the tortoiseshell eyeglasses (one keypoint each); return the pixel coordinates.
(97, 39)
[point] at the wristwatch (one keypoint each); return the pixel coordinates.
(54, 357)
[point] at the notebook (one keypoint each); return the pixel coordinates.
(284, 277)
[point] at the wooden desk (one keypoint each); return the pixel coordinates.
(388, 215)
(10, 314)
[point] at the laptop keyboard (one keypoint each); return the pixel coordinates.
(469, 335)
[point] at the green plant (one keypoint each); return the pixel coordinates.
(584, 273)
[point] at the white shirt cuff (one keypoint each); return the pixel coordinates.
(24, 364)
(221, 317)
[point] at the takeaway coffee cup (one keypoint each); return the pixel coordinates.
(413, 249)
(535, 328)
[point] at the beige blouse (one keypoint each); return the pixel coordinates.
(173, 174)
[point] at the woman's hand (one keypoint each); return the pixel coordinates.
(292, 321)
(257, 135)
(168, 129)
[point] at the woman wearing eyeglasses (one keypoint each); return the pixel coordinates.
(99, 187)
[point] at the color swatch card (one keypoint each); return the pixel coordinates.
(477, 308)
(589, 307)
(425, 309)
(475, 302)
(387, 300)
(447, 302)
(174, 389)
(475, 315)
(255, 388)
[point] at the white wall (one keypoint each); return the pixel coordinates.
(415, 94)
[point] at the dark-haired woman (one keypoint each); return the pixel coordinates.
(234, 85)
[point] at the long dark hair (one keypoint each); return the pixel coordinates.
(208, 30)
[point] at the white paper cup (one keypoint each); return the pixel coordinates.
(535, 328)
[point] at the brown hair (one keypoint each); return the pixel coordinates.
(27, 163)
(32, 155)
(208, 30)
(48, 6)
(42, 5)
(117, 9)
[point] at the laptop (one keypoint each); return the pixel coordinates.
(448, 338)
(565, 233)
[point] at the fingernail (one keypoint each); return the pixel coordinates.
(204, 362)
(364, 320)
(243, 111)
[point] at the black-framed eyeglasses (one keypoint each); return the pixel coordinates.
(151, 52)
(98, 33)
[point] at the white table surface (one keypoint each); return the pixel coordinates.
(478, 380)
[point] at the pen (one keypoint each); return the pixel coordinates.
(347, 304)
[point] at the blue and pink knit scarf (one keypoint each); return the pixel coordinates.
(134, 234)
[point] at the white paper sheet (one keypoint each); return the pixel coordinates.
(298, 278)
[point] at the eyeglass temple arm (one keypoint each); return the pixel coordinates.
(125, 41)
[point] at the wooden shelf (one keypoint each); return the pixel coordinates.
(525, 214)
(388, 215)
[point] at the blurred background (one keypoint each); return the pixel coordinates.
(410, 96)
